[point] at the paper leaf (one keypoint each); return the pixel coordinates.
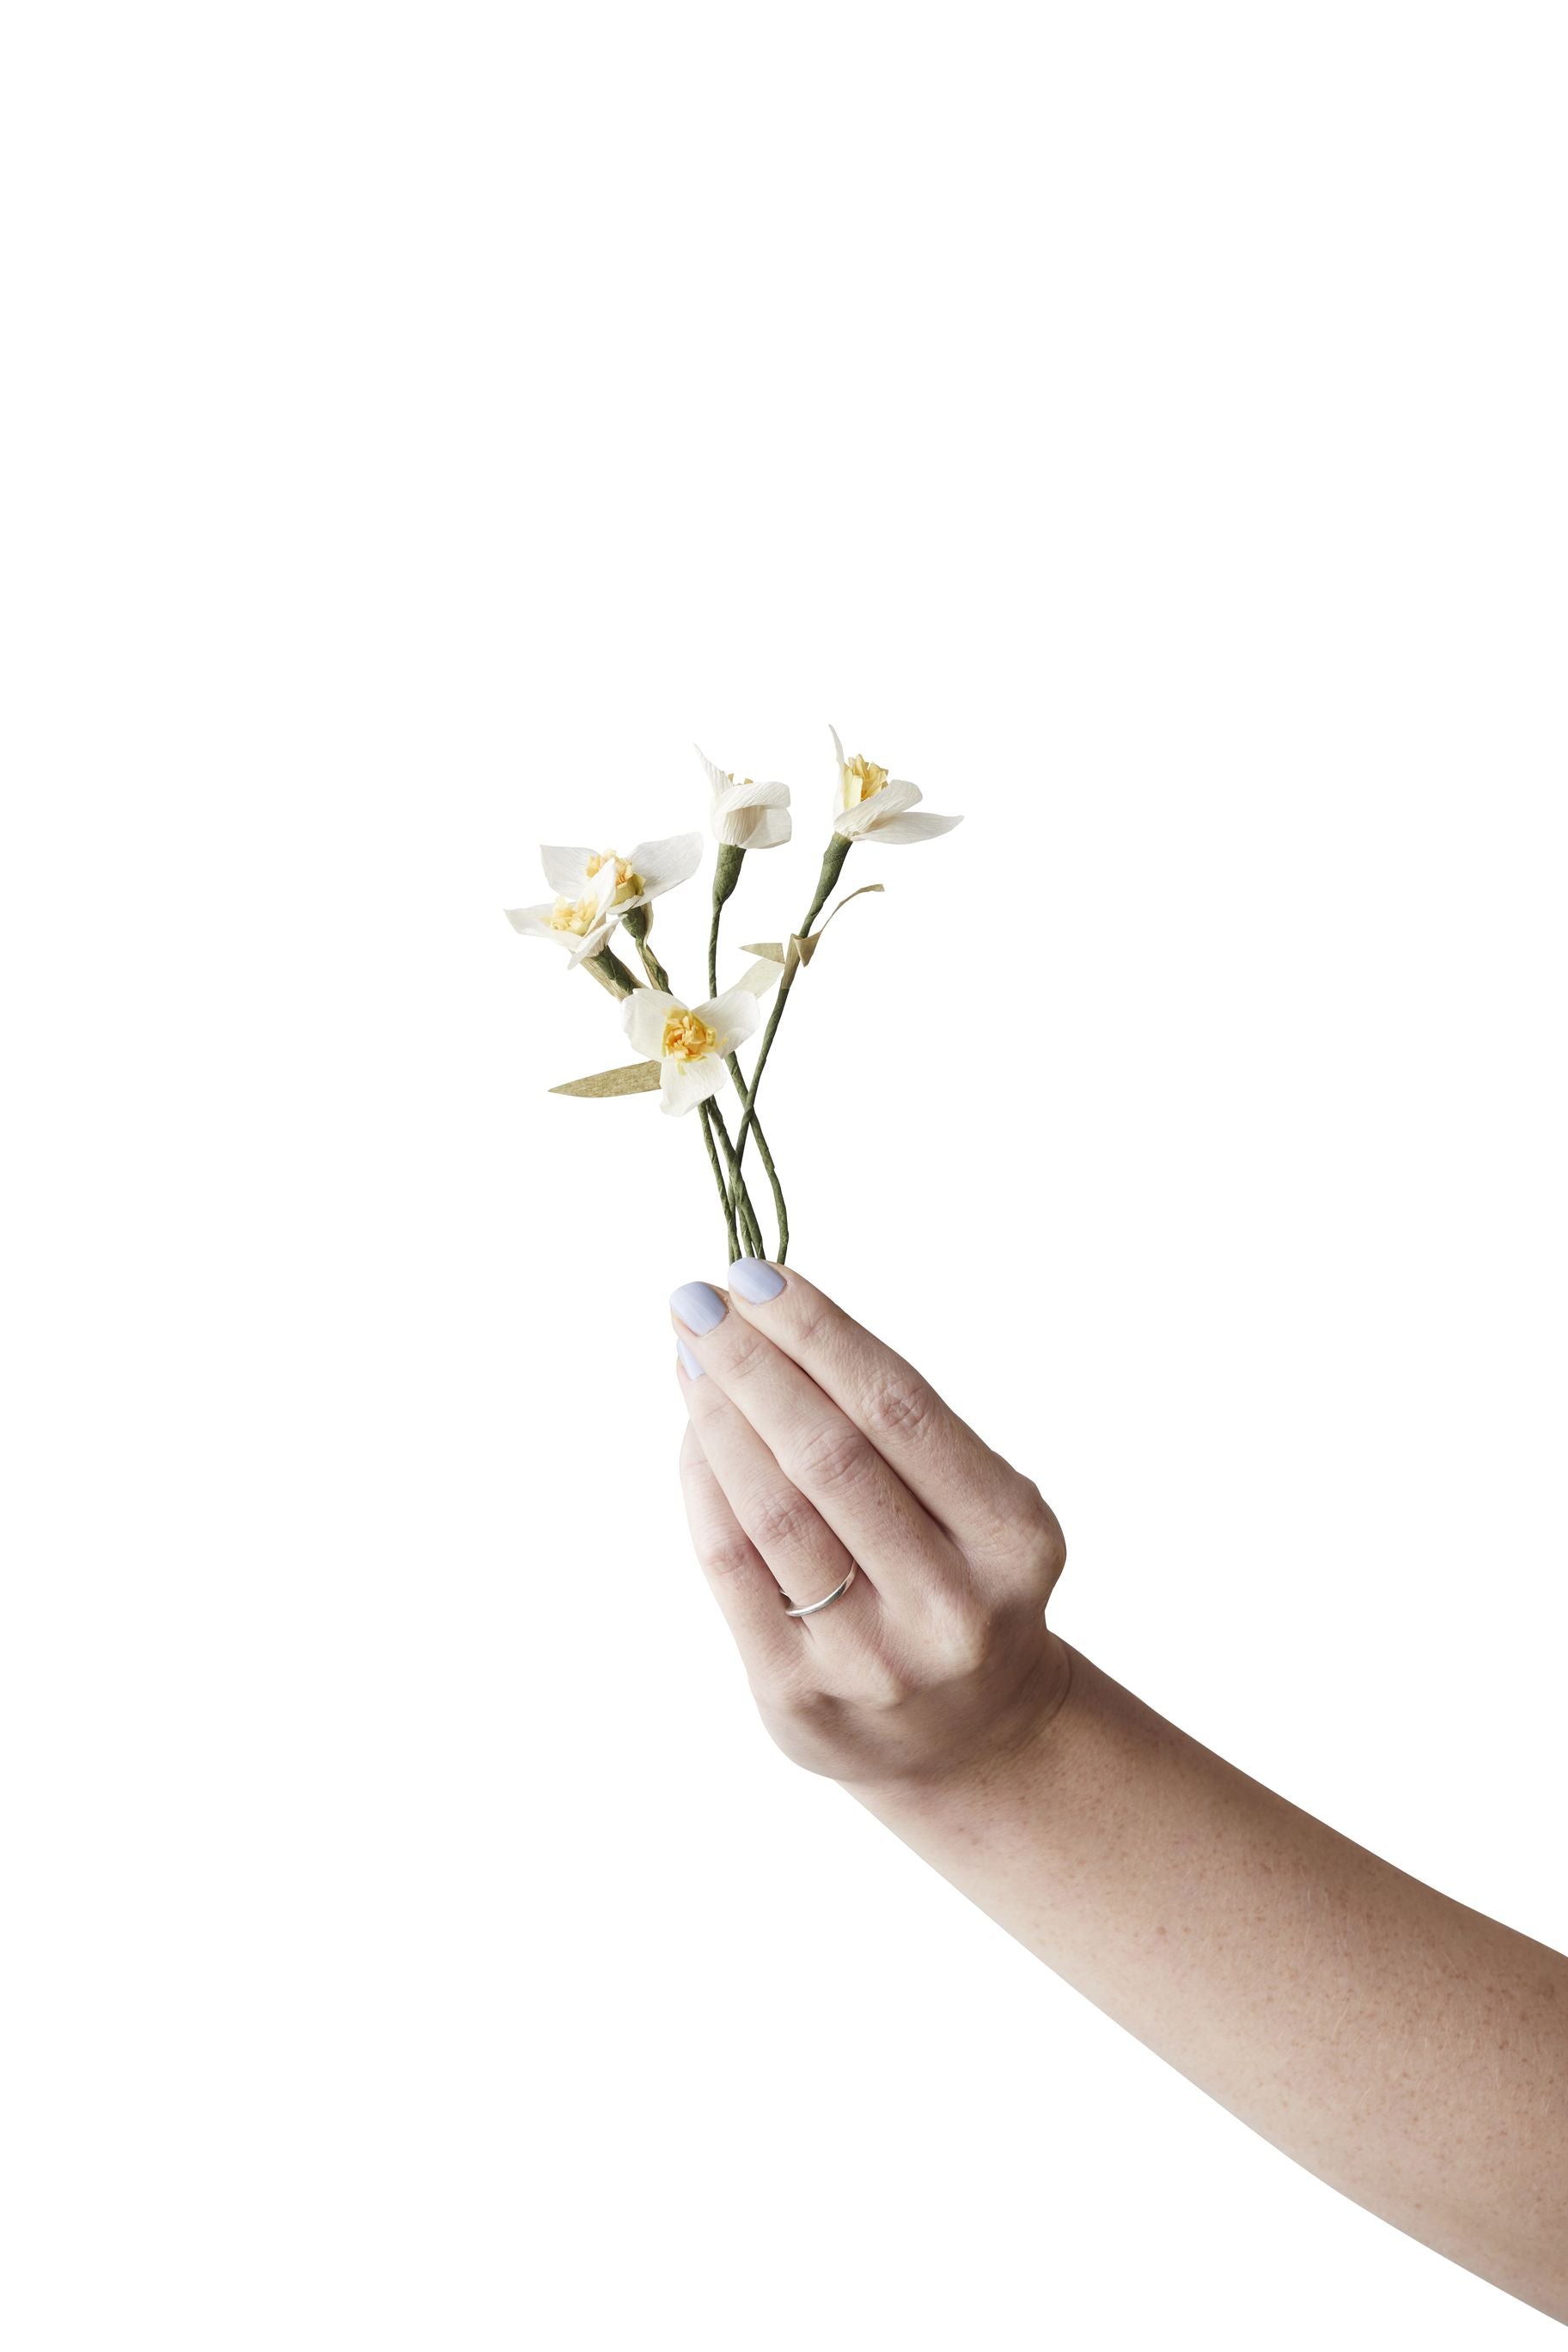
(768, 948)
(630, 1078)
(800, 949)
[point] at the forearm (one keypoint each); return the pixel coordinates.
(1409, 2050)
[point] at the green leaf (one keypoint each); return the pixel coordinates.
(630, 1078)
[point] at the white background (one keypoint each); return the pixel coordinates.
(1142, 426)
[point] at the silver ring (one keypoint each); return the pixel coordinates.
(812, 1607)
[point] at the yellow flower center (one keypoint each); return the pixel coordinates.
(574, 915)
(861, 779)
(686, 1037)
(627, 883)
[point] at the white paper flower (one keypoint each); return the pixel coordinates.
(870, 803)
(595, 888)
(689, 1042)
(747, 816)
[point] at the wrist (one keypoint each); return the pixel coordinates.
(1021, 1745)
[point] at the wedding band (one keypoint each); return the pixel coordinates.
(812, 1607)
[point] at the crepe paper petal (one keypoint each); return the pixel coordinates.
(746, 815)
(716, 776)
(683, 1085)
(661, 865)
(534, 922)
(743, 793)
(630, 1078)
(593, 943)
(771, 826)
(922, 824)
(643, 1017)
(869, 815)
(733, 1017)
(566, 870)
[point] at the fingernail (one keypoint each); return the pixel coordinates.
(693, 1370)
(756, 1279)
(698, 1304)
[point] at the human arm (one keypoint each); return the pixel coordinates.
(1409, 2050)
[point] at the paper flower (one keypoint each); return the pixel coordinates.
(689, 1042)
(870, 803)
(595, 890)
(745, 816)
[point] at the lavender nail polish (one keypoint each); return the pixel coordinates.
(698, 1304)
(689, 1364)
(754, 1279)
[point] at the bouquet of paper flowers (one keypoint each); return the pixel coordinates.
(690, 1049)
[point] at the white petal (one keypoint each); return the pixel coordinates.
(733, 827)
(869, 815)
(534, 922)
(643, 1016)
(732, 1017)
(838, 747)
(921, 826)
(851, 823)
(596, 938)
(769, 826)
(683, 1085)
(566, 870)
(716, 776)
(662, 864)
(895, 795)
(746, 793)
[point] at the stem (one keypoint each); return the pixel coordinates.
(737, 1198)
(838, 849)
(740, 1199)
(705, 1110)
(780, 1212)
(610, 972)
(726, 875)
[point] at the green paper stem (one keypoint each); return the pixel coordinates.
(838, 849)
(726, 875)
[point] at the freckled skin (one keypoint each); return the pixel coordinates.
(1409, 2050)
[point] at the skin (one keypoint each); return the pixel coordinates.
(1407, 2050)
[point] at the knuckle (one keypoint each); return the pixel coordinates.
(805, 1710)
(1026, 1534)
(744, 1352)
(898, 1406)
(962, 1636)
(726, 1555)
(777, 1522)
(814, 1327)
(834, 1455)
(883, 1685)
(1046, 1544)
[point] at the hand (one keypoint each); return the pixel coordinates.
(812, 1444)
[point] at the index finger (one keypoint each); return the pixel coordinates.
(971, 1491)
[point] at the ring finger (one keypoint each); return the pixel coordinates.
(800, 1549)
